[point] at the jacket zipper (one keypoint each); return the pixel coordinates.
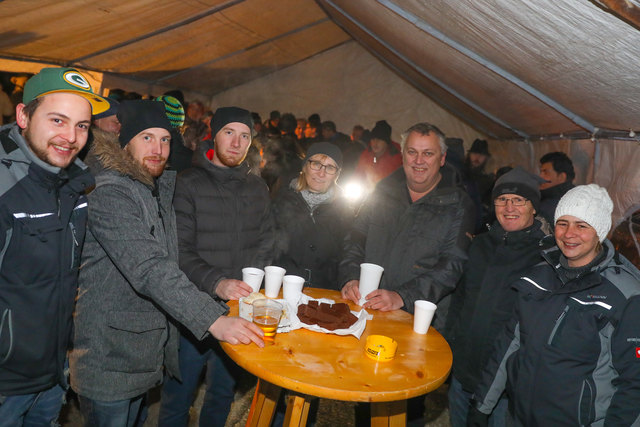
(557, 325)
(75, 244)
(58, 201)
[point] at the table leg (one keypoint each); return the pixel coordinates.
(389, 414)
(263, 405)
(297, 410)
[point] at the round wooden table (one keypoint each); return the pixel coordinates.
(335, 367)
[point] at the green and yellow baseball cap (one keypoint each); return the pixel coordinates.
(56, 79)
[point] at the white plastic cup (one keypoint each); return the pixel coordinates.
(292, 289)
(422, 315)
(272, 280)
(253, 277)
(370, 275)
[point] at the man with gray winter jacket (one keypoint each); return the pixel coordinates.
(131, 289)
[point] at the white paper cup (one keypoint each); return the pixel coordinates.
(292, 289)
(370, 275)
(253, 277)
(422, 316)
(272, 280)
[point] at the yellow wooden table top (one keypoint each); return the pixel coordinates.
(336, 367)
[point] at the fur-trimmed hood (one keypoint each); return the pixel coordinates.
(106, 154)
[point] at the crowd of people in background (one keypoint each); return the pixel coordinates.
(127, 222)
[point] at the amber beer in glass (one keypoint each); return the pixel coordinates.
(266, 314)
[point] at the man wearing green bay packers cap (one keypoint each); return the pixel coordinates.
(43, 213)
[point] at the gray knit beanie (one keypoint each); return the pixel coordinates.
(519, 181)
(590, 203)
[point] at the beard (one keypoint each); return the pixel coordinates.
(42, 153)
(155, 169)
(229, 161)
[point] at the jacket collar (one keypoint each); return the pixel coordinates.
(395, 185)
(200, 160)
(106, 154)
(585, 280)
(47, 175)
(556, 191)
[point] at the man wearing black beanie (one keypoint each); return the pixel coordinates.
(130, 284)
(224, 224)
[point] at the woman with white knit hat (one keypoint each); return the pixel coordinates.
(571, 354)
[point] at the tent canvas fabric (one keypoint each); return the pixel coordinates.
(531, 77)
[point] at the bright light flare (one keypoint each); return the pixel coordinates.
(353, 191)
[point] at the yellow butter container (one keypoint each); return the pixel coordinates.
(380, 348)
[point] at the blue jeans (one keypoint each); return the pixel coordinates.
(119, 413)
(177, 396)
(459, 407)
(35, 409)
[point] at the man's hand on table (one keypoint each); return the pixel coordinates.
(383, 300)
(351, 292)
(232, 289)
(236, 330)
(380, 299)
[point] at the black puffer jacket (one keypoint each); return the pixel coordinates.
(224, 222)
(421, 245)
(309, 244)
(484, 300)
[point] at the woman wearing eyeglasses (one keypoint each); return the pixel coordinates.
(312, 219)
(484, 299)
(570, 354)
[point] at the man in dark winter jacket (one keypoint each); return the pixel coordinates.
(556, 169)
(483, 302)
(131, 288)
(43, 212)
(224, 224)
(414, 225)
(477, 182)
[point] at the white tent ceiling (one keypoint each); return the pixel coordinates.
(541, 71)
(506, 67)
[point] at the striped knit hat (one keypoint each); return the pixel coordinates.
(173, 109)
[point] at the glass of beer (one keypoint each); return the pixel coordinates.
(266, 314)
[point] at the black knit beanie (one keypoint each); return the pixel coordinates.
(138, 115)
(226, 115)
(382, 130)
(327, 149)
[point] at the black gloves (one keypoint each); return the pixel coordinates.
(476, 418)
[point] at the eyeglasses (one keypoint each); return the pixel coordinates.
(316, 166)
(515, 201)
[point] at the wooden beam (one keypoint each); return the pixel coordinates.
(93, 77)
(624, 9)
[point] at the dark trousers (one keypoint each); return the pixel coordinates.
(117, 413)
(459, 407)
(177, 397)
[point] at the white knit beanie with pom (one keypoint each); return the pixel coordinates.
(590, 203)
